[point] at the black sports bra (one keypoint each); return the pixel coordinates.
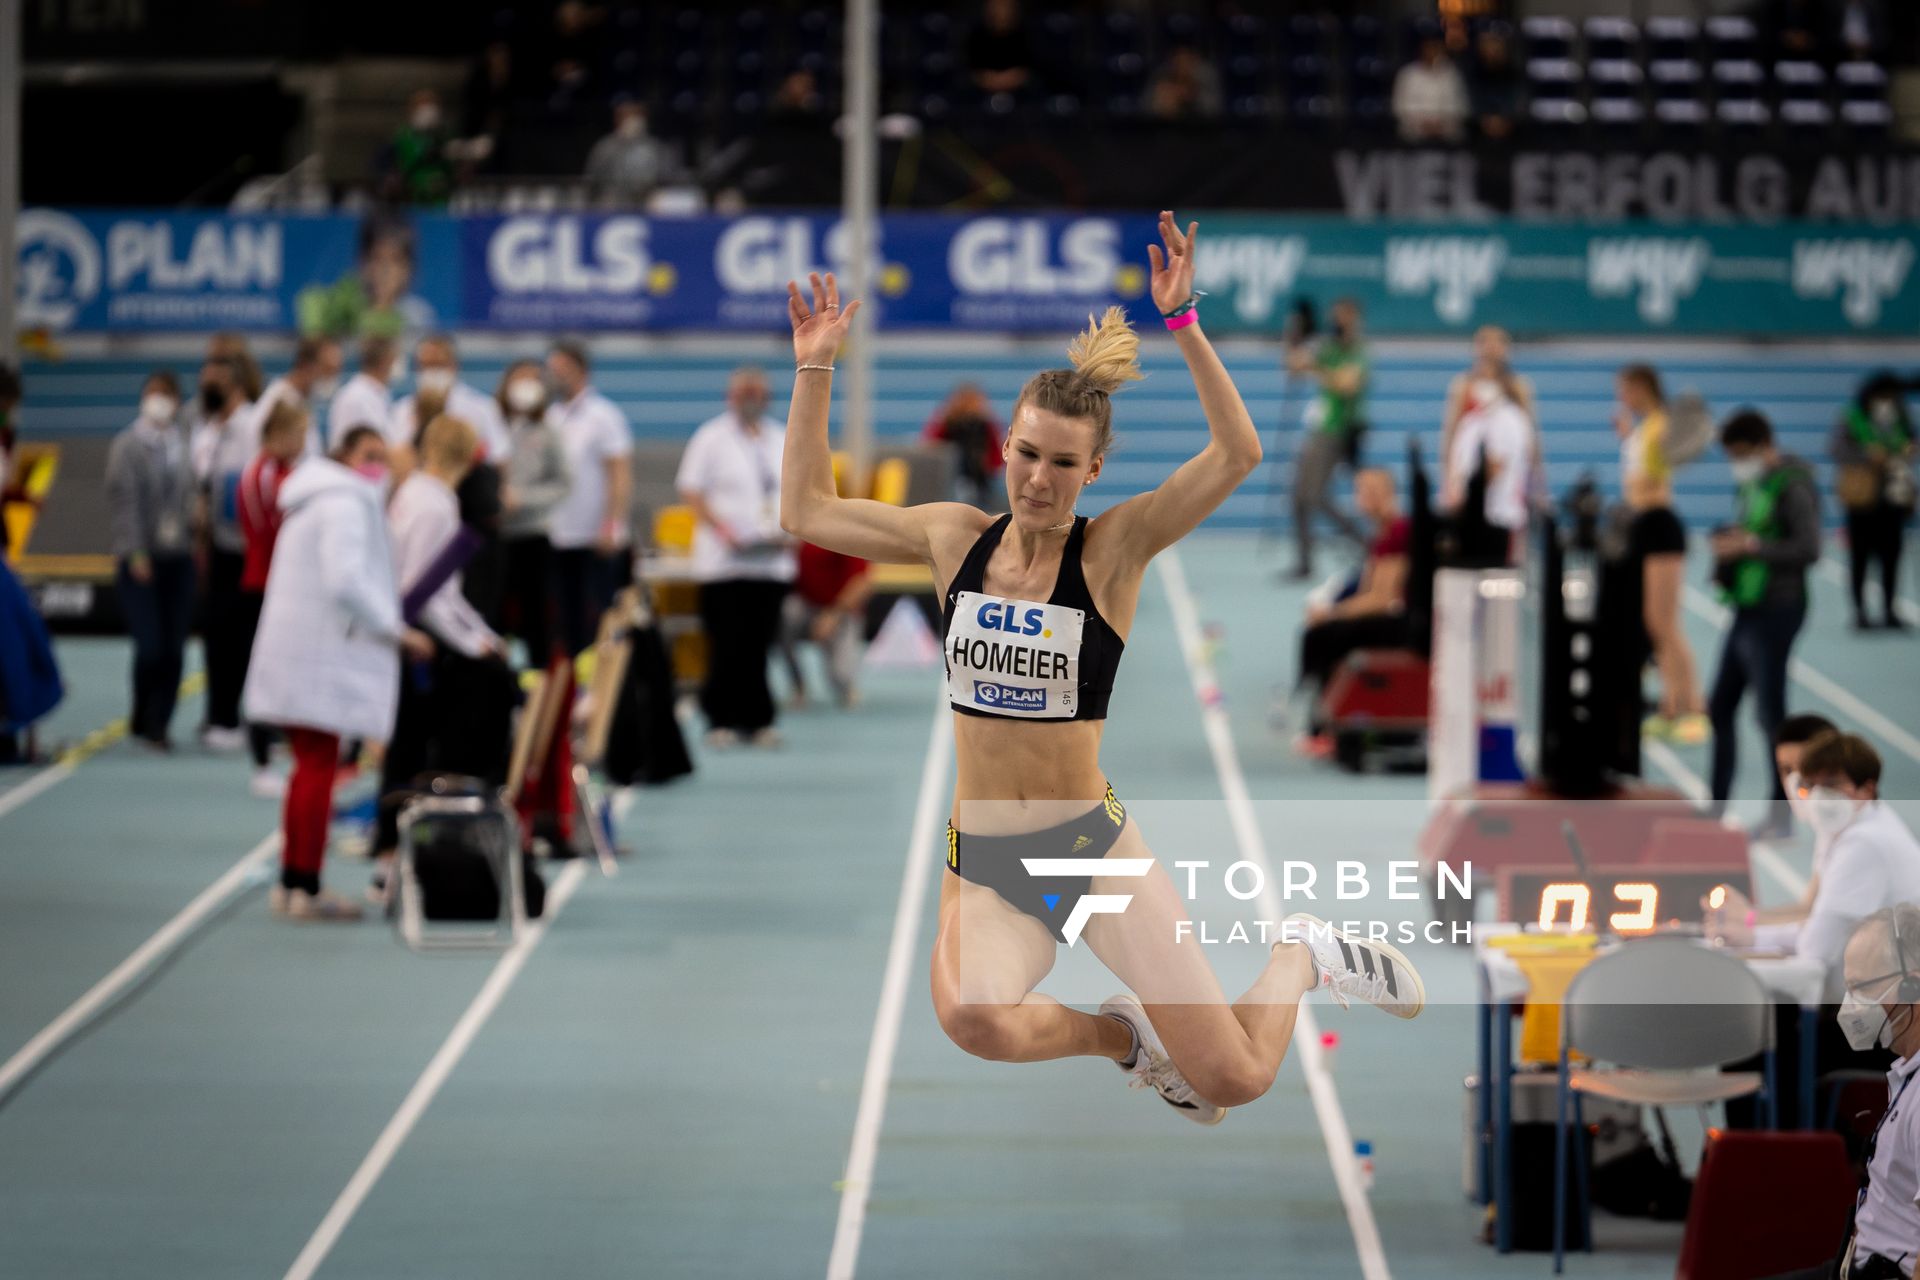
(1023, 659)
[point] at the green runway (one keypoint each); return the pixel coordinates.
(669, 1088)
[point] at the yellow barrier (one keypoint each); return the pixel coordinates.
(673, 528)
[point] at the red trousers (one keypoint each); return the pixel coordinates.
(309, 807)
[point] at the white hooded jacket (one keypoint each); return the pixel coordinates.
(326, 655)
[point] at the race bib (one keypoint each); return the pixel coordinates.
(1014, 657)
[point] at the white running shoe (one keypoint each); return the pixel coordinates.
(1153, 1069)
(1350, 967)
(216, 738)
(268, 784)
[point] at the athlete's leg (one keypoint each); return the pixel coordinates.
(987, 959)
(1228, 1053)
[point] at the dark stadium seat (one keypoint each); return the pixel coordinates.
(1366, 37)
(1671, 38)
(1548, 37)
(1732, 39)
(1607, 38)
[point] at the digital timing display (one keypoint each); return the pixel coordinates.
(1613, 899)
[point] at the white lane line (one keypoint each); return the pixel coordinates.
(1819, 684)
(856, 1188)
(45, 780)
(1246, 829)
(421, 1096)
(103, 992)
(1696, 790)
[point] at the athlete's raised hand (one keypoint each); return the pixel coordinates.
(1173, 272)
(819, 329)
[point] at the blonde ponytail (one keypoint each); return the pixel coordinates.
(1106, 357)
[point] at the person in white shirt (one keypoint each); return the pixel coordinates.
(423, 520)
(313, 379)
(1493, 358)
(1881, 1009)
(537, 481)
(1429, 97)
(367, 399)
(730, 476)
(591, 528)
(222, 445)
(437, 370)
(1494, 430)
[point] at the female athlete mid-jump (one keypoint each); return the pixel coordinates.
(1038, 604)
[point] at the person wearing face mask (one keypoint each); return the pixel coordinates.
(310, 382)
(1873, 451)
(367, 398)
(537, 481)
(223, 444)
(730, 476)
(591, 529)
(1790, 743)
(436, 363)
(1761, 564)
(326, 658)
(150, 497)
(1334, 425)
(418, 163)
(626, 165)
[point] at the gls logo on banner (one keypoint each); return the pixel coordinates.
(538, 254)
(1664, 271)
(1457, 270)
(1864, 272)
(1089, 905)
(1017, 255)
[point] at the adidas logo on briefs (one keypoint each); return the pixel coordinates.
(1080, 842)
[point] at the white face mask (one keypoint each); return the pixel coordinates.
(1865, 1023)
(435, 380)
(1747, 470)
(631, 127)
(525, 394)
(1829, 812)
(426, 119)
(323, 388)
(158, 407)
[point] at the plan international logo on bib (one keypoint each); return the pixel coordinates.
(1008, 697)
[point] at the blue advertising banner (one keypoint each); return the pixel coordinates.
(132, 271)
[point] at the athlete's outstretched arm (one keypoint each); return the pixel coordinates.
(1157, 520)
(809, 506)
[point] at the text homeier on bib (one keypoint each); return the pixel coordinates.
(1014, 657)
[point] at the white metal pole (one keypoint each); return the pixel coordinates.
(860, 183)
(9, 176)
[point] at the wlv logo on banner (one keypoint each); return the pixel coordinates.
(1258, 269)
(1662, 269)
(1864, 272)
(1457, 270)
(1089, 905)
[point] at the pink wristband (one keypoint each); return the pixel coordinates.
(1750, 915)
(1182, 321)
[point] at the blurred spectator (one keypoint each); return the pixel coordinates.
(432, 728)
(1800, 28)
(798, 95)
(228, 345)
(1492, 358)
(999, 55)
(1373, 615)
(1873, 453)
(1494, 436)
(222, 446)
(829, 607)
(966, 422)
(1863, 27)
(367, 399)
(491, 88)
(730, 476)
(415, 167)
(1186, 88)
(572, 53)
(480, 492)
(375, 299)
(1334, 423)
(591, 528)
(625, 166)
(436, 372)
(1496, 86)
(29, 676)
(537, 482)
(326, 659)
(1429, 98)
(314, 377)
(150, 495)
(283, 442)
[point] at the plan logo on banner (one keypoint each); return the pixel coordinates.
(1661, 269)
(1038, 270)
(1457, 270)
(59, 268)
(1865, 273)
(1258, 270)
